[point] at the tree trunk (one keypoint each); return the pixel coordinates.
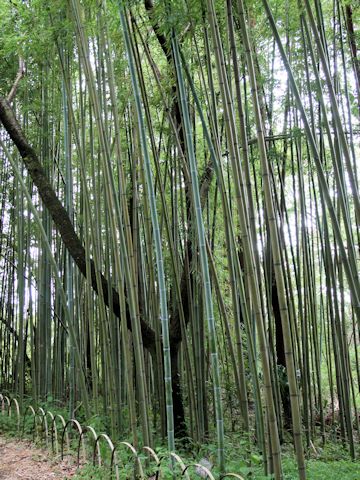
(280, 356)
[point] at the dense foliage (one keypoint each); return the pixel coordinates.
(180, 214)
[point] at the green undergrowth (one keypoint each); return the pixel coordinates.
(323, 463)
(317, 469)
(331, 462)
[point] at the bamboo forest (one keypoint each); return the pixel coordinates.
(179, 234)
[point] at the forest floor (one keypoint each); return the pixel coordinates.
(22, 460)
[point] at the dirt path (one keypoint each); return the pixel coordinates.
(21, 460)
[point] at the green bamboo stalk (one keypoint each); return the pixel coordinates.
(233, 258)
(116, 226)
(275, 248)
(248, 245)
(21, 294)
(335, 108)
(57, 277)
(353, 281)
(203, 258)
(157, 239)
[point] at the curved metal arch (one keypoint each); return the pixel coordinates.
(31, 408)
(43, 421)
(181, 463)
(109, 442)
(13, 400)
(72, 421)
(135, 454)
(55, 430)
(8, 403)
(51, 415)
(113, 453)
(204, 469)
(86, 429)
(153, 454)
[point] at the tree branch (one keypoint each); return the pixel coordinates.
(19, 76)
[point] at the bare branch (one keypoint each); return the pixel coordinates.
(19, 76)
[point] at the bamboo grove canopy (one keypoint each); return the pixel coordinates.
(179, 228)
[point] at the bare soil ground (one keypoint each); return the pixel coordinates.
(21, 460)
